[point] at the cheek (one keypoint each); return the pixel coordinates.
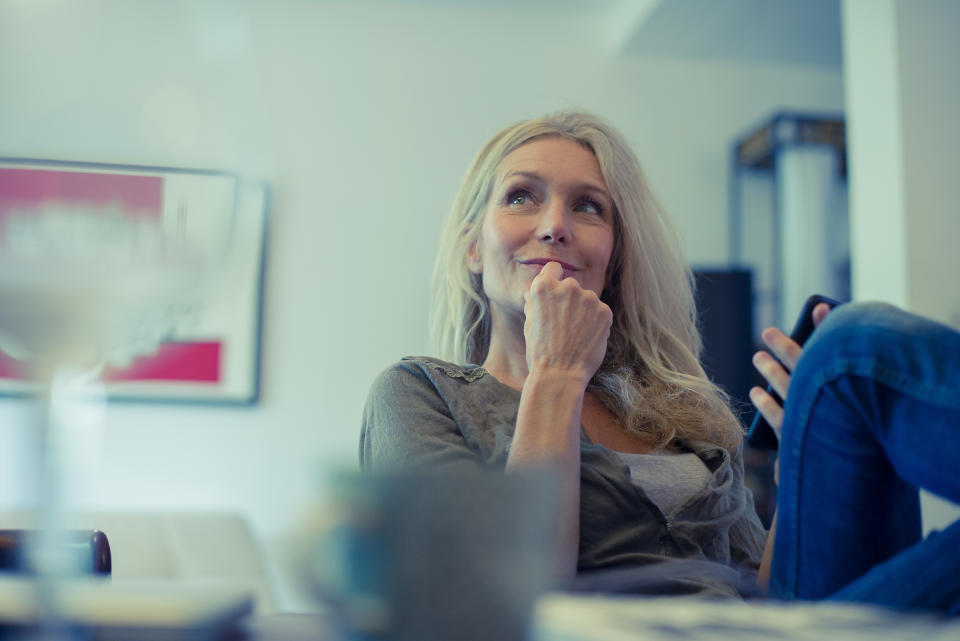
(604, 250)
(500, 238)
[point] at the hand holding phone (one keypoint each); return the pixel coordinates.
(761, 435)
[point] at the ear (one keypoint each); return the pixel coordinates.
(473, 259)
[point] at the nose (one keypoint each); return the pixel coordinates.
(553, 225)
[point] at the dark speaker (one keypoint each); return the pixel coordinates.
(725, 315)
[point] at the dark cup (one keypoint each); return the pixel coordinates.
(429, 555)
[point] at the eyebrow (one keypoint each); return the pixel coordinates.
(530, 175)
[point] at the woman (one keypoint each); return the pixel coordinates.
(565, 313)
(560, 276)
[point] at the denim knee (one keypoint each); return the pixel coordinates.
(849, 328)
(910, 353)
(863, 316)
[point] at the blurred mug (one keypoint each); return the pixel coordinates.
(438, 555)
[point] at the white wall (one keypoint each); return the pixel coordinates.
(363, 118)
(903, 97)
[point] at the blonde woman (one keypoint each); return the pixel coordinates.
(564, 317)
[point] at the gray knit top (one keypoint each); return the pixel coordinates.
(428, 412)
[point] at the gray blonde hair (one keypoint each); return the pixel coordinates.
(651, 378)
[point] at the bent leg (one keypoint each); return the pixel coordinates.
(873, 413)
(924, 576)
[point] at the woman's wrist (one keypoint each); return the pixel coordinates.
(566, 378)
(548, 418)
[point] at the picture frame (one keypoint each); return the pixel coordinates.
(215, 357)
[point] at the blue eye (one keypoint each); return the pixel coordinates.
(589, 206)
(519, 198)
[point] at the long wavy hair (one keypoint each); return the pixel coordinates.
(651, 378)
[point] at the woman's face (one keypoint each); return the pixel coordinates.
(549, 203)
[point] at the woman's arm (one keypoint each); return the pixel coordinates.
(763, 575)
(779, 378)
(566, 330)
(548, 433)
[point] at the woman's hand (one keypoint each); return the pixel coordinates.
(566, 327)
(777, 374)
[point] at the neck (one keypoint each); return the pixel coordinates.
(507, 356)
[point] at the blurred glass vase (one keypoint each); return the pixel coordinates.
(82, 288)
(91, 287)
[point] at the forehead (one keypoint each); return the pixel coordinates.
(554, 157)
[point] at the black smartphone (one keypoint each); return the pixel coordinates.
(761, 434)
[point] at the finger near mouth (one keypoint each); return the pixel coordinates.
(537, 268)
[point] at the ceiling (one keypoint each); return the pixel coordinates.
(789, 32)
(792, 32)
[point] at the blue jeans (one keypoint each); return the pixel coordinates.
(873, 414)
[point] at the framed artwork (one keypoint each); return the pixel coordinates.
(209, 353)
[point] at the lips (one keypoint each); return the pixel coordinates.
(538, 263)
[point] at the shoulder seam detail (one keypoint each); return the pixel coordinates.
(453, 371)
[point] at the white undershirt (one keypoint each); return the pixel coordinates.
(668, 478)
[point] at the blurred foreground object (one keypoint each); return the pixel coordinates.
(82, 287)
(126, 610)
(434, 555)
(561, 617)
